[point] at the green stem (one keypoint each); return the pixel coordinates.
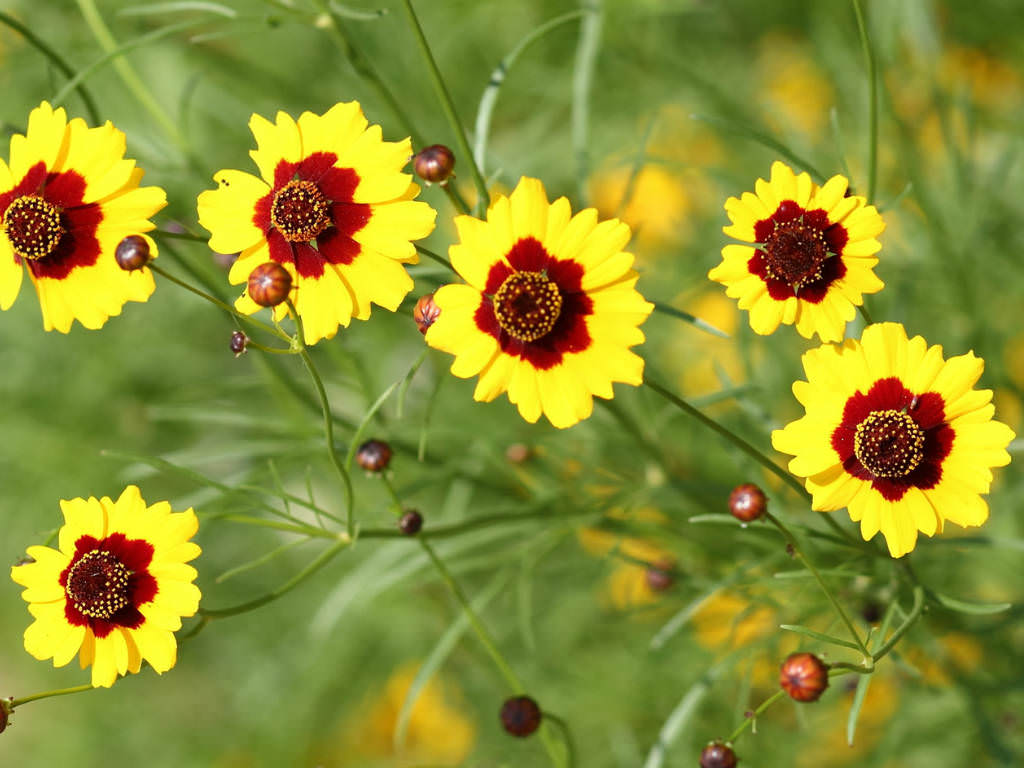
(915, 613)
(49, 694)
(277, 525)
(436, 257)
(582, 80)
(134, 84)
(570, 743)
(325, 557)
(865, 314)
(791, 539)
(325, 407)
(447, 105)
(747, 721)
(869, 59)
(56, 60)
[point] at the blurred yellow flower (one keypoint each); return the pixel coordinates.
(954, 653)
(791, 90)
(727, 621)
(657, 208)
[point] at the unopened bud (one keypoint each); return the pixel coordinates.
(660, 576)
(517, 453)
(803, 676)
(5, 713)
(425, 312)
(410, 523)
(520, 716)
(238, 342)
(269, 284)
(374, 455)
(718, 754)
(747, 502)
(132, 253)
(435, 164)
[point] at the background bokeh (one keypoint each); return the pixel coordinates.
(320, 676)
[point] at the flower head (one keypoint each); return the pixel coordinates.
(812, 258)
(116, 588)
(67, 199)
(550, 310)
(895, 434)
(332, 206)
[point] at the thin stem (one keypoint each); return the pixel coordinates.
(570, 743)
(325, 406)
(325, 557)
(865, 314)
(55, 59)
(436, 257)
(277, 525)
(791, 540)
(869, 59)
(447, 105)
(902, 629)
(748, 720)
(582, 80)
(50, 694)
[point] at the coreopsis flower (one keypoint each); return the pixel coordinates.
(895, 434)
(813, 254)
(116, 588)
(550, 309)
(67, 199)
(332, 205)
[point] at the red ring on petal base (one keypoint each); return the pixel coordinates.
(903, 438)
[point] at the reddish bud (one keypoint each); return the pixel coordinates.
(718, 754)
(747, 502)
(517, 453)
(269, 284)
(425, 312)
(435, 164)
(803, 676)
(520, 716)
(238, 342)
(374, 455)
(5, 713)
(132, 253)
(660, 576)
(410, 523)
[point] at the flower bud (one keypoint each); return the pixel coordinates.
(132, 253)
(717, 754)
(520, 716)
(374, 455)
(425, 312)
(238, 342)
(410, 523)
(803, 676)
(660, 575)
(517, 453)
(435, 164)
(269, 284)
(5, 713)
(747, 502)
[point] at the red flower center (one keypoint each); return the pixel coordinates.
(527, 305)
(795, 253)
(300, 211)
(889, 443)
(97, 585)
(33, 227)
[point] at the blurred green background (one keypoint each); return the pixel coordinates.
(318, 678)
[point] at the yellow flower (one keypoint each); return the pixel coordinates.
(727, 621)
(792, 91)
(332, 206)
(550, 310)
(659, 206)
(814, 256)
(115, 590)
(895, 434)
(68, 197)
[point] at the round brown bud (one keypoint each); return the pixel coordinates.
(269, 284)
(425, 312)
(374, 455)
(5, 713)
(238, 342)
(132, 253)
(718, 754)
(435, 164)
(520, 716)
(803, 676)
(660, 575)
(411, 522)
(517, 453)
(747, 502)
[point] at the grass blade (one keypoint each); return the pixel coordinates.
(819, 636)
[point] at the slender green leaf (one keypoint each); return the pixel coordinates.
(762, 138)
(678, 718)
(695, 321)
(367, 418)
(261, 560)
(150, 9)
(961, 606)
(820, 636)
(357, 14)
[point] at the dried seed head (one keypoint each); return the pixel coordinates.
(661, 575)
(410, 523)
(238, 342)
(520, 716)
(132, 253)
(425, 312)
(803, 676)
(374, 455)
(435, 164)
(747, 502)
(269, 284)
(718, 754)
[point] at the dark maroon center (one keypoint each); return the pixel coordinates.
(300, 211)
(527, 305)
(889, 443)
(97, 585)
(795, 253)
(33, 227)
